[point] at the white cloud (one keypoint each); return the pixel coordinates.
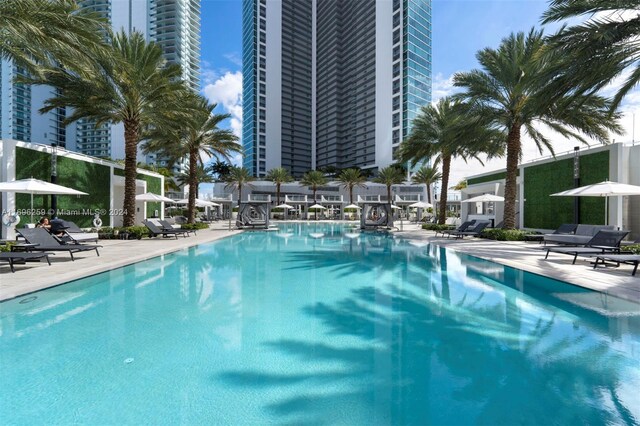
(234, 57)
(441, 87)
(227, 91)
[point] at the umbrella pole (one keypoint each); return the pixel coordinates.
(32, 207)
(606, 210)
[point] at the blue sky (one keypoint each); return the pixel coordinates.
(460, 29)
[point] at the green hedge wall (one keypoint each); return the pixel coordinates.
(489, 178)
(154, 185)
(91, 178)
(543, 211)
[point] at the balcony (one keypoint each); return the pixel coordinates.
(407, 198)
(295, 199)
(331, 199)
(261, 198)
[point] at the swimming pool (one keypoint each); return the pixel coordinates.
(318, 324)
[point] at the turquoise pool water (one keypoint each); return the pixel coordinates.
(318, 325)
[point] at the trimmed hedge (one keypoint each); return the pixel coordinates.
(194, 226)
(505, 234)
(635, 248)
(436, 227)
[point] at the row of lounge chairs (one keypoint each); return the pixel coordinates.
(601, 242)
(39, 243)
(472, 228)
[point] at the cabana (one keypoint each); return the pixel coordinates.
(376, 215)
(254, 214)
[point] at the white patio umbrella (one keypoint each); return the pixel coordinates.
(604, 189)
(484, 198)
(199, 202)
(284, 206)
(154, 198)
(393, 206)
(421, 205)
(353, 206)
(36, 186)
(317, 206)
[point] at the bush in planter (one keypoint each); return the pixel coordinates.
(135, 232)
(194, 226)
(7, 246)
(505, 234)
(436, 227)
(635, 248)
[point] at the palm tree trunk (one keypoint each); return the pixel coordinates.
(193, 184)
(131, 137)
(510, 187)
(389, 194)
(446, 168)
(239, 195)
(277, 194)
(429, 193)
(351, 195)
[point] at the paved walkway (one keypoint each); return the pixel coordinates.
(528, 256)
(117, 253)
(114, 254)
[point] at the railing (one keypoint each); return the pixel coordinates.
(266, 198)
(372, 198)
(295, 198)
(408, 198)
(331, 198)
(219, 197)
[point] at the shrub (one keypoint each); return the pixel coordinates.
(137, 232)
(7, 246)
(505, 234)
(436, 227)
(635, 248)
(194, 226)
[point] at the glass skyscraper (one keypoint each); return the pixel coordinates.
(331, 82)
(173, 24)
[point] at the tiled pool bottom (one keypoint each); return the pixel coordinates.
(318, 325)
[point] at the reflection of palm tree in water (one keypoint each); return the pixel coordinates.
(423, 352)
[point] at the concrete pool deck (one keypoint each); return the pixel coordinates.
(117, 253)
(114, 254)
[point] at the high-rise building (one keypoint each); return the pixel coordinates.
(173, 24)
(332, 82)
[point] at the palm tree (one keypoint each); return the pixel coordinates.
(389, 176)
(511, 91)
(426, 175)
(43, 32)
(446, 131)
(237, 178)
(221, 169)
(279, 175)
(598, 49)
(202, 176)
(130, 83)
(198, 134)
(350, 179)
(314, 179)
(460, 185)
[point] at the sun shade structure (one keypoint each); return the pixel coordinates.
(317, 206)
(36, 186)
(199, 202)
(421, 205)
(485, 198)
(353, 206)
(151, 197)
(604, 189)
(284, 206)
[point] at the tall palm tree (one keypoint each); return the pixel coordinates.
(197, 135)
(36, 32)
(279, 175)
(446, 131)
(220, 169)
(426, 175)
(130, 83)
(511, 91)
(598, 49)
(389, 176)
(239, 177)
(314, 179)
(202, 176)
(350, 179)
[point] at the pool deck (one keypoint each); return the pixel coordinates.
(114, 254)
(529, 256)
(117, 253)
